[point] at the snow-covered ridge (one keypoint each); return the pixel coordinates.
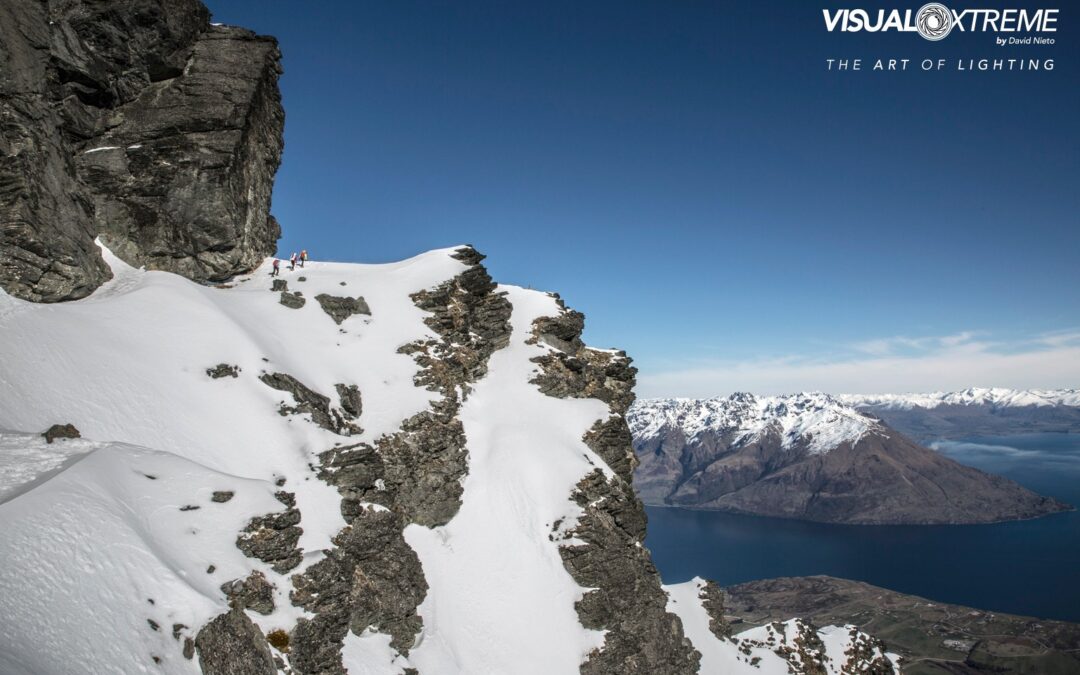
(995, 397)
(818, 421)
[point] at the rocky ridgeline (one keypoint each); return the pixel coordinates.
(626, 599)
(371, 578)
(139, 122)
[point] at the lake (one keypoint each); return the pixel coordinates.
(1029, 567)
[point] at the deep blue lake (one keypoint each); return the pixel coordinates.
(1029, 567)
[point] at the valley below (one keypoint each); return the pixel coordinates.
(997, 597)
(932, 637)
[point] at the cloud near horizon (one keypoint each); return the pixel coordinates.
(888, 365)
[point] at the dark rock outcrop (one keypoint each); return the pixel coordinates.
(339, 308)
(136, 121)
(416, 472)
(293, 300)
(61, 431)
(712, 599)
(308, 402)
(626, 599)
(223, 370)
(273, 538)
(372, 578)
(351, 401)
(232, 645)
(254, 593)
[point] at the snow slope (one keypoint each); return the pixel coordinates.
(128, 365)
(95, 554)
(994, 397)
(818, 421)
(114, 547)
(500, 599)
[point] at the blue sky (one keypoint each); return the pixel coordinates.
(691, 177)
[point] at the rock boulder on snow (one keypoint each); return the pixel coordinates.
(232, 645)
(60, 431)
(341, 308)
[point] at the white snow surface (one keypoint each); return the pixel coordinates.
(500, 599)
(751, 652)
(127, 366)
(28, 459)
(996, 397)
(817, 421)
(92, 555)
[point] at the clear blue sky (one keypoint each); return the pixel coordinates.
(690, 176)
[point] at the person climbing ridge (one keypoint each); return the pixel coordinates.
(303, 257)
(277, 268)
(292, 262)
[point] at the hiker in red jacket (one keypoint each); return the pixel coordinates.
(277, 268)
(303, 257)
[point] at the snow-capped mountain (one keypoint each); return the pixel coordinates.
(809, 456)
(814, 421)
(974, 411)
(349, 468)
(996, 397)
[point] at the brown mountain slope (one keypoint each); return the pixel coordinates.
(881, 478)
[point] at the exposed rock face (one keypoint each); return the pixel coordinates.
(223, 370)
(627, 600)
(232, 645)
(712, 599)
(812, 458)
(137, 121)
(308, 402)
(254, 593)
(273, 538)
(372, 578)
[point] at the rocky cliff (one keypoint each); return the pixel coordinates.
(140, 122)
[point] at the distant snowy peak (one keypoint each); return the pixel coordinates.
(972, 396)
(817, 421)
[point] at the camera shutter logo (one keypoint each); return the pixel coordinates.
(934, 21)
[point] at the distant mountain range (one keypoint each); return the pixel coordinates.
(974, 411)
(809, 456)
